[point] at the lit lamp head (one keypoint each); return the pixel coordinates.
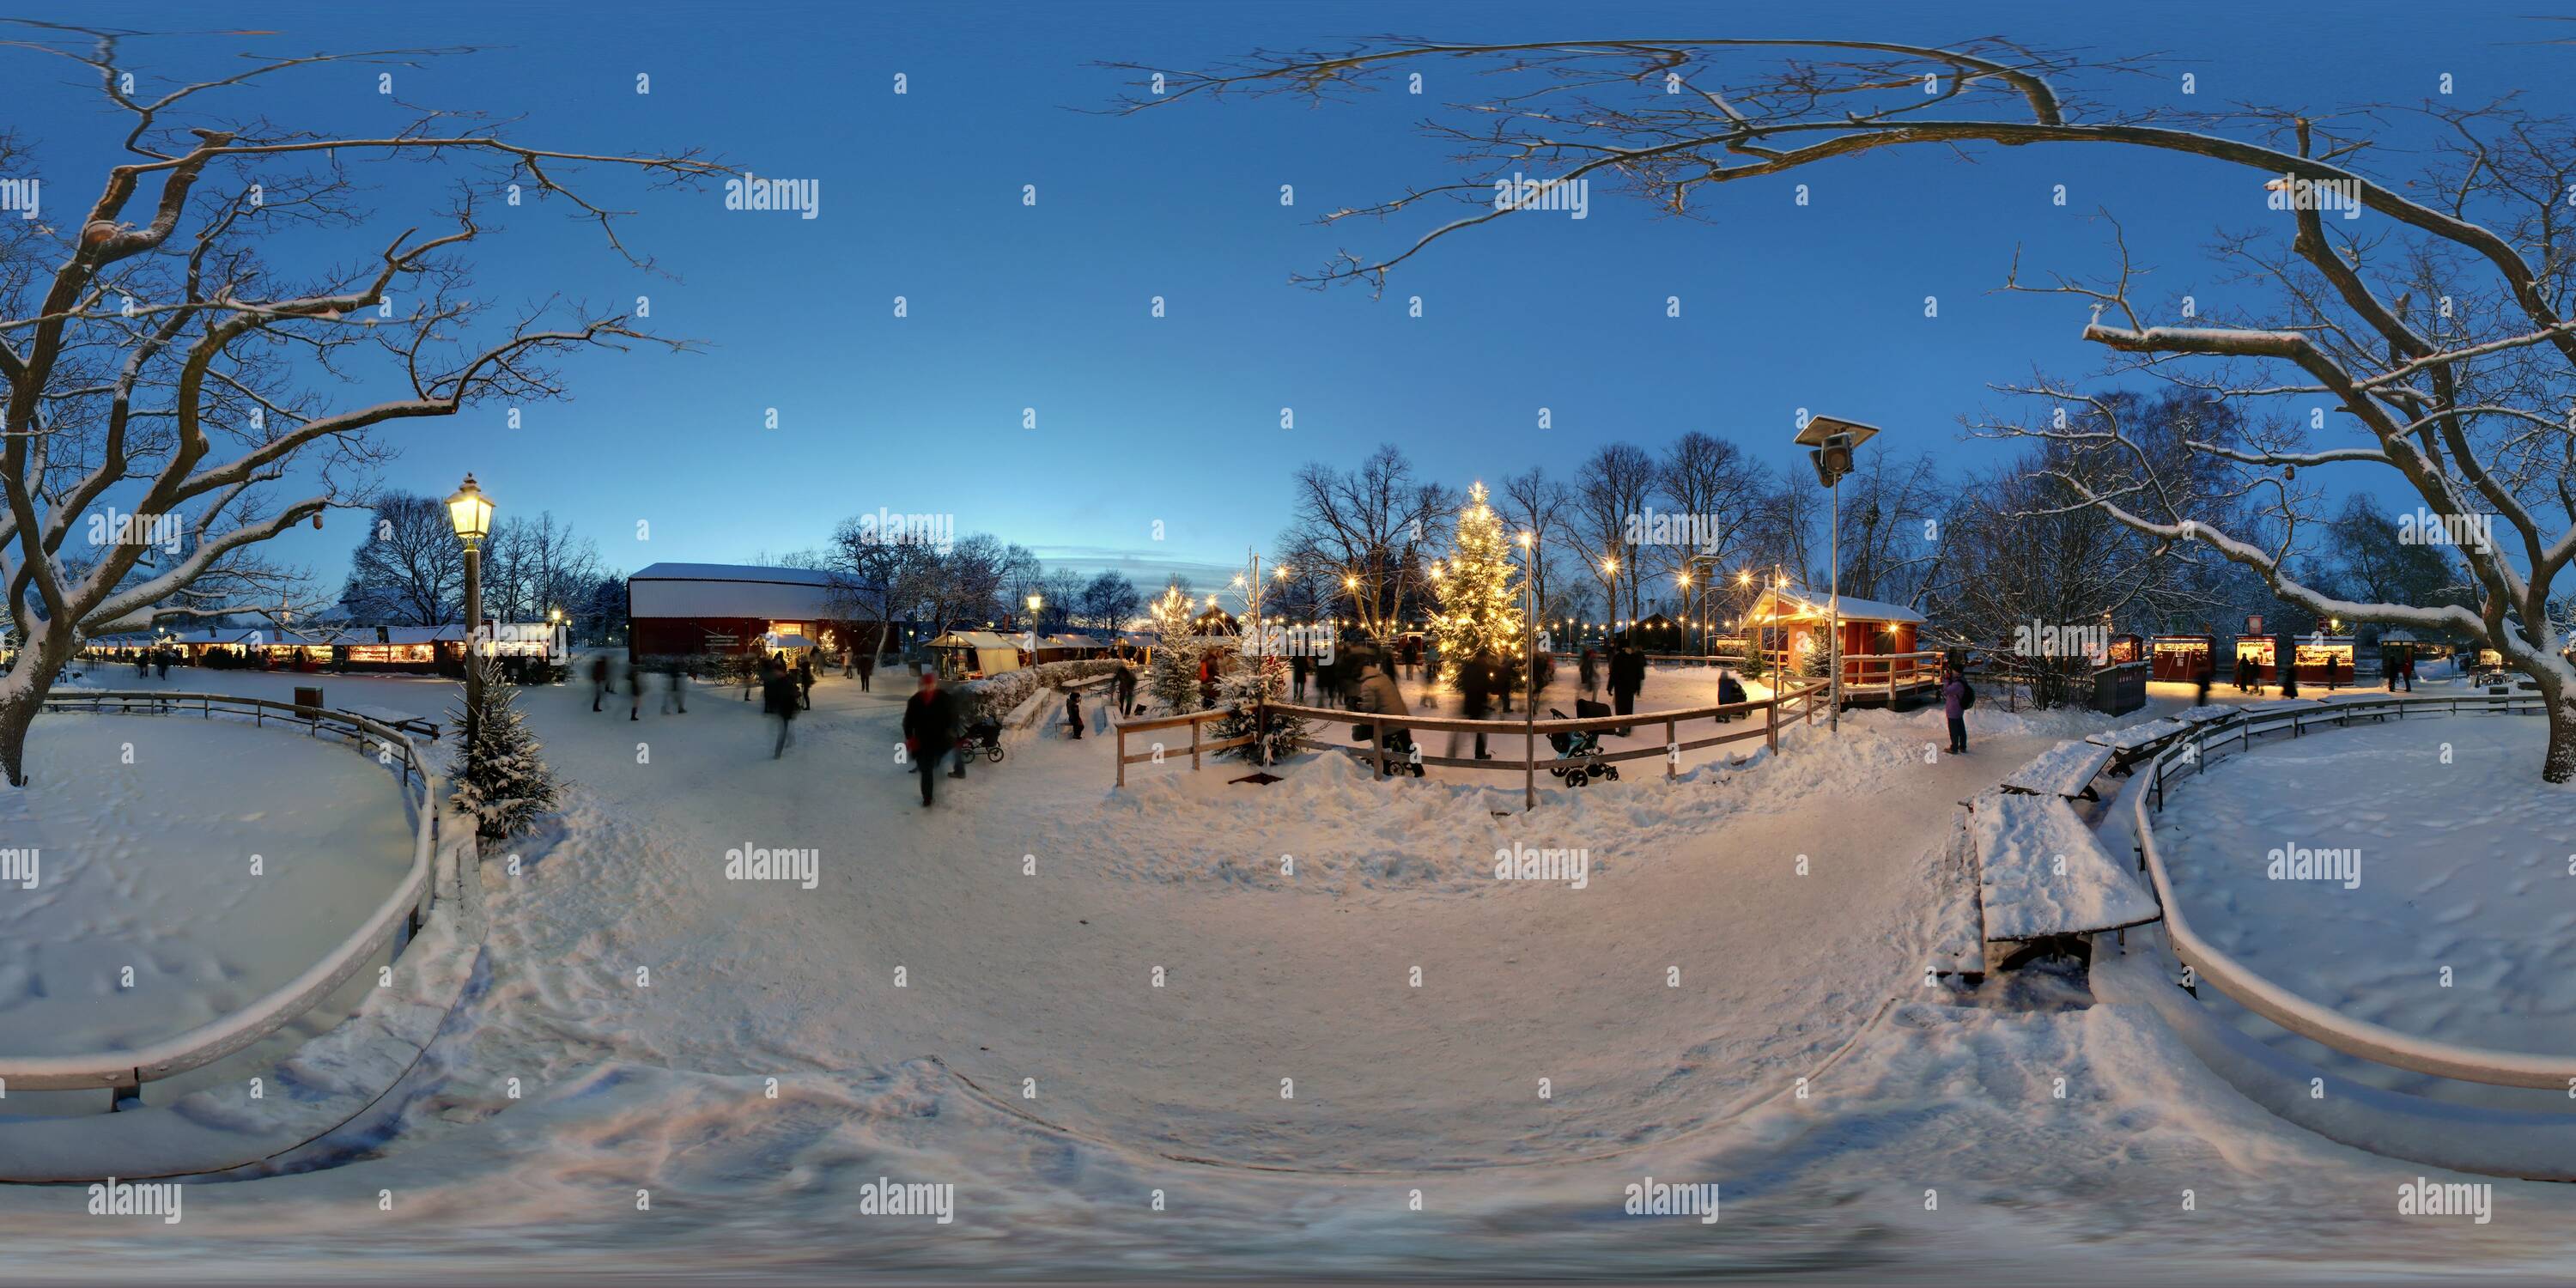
(471, 512)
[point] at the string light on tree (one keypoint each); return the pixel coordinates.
(1479, 590)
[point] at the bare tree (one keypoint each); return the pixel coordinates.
(1372, 527)
(411, 568)
(1615, 484)
(154, 368)
(2440, 332)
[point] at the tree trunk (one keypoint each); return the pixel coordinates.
(2560, 766)
(16, 713)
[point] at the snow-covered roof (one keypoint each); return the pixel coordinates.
(730, 590)
(1797, 601)
(974, 639)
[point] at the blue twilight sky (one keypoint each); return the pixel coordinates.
(1175, 419)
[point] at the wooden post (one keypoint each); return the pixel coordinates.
(1672, 758)
(1771, 722)
(1194, 744)
(1122, 753)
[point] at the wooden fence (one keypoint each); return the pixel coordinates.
(1764, 718)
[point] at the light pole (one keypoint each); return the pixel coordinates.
(1832, 442)
(471, 513)
(1529, 676)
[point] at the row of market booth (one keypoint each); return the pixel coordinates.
(2314, 659)
(439, 649)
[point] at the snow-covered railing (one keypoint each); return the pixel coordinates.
(392, 924)
(2359, 1038)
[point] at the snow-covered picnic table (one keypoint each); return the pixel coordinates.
(2130, 744)
(2066, 769)
(2042, 872)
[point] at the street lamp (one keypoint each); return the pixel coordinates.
(1529, 676)
(471, 513)
(1832, 443)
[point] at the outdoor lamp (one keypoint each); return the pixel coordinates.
(1035, 601)
(471, 512)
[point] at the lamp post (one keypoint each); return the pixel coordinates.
(1832, 442)
(1529, 674)
(471, 513)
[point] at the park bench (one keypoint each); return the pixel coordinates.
(393, 719)
(2042, 873)
(2065, 770)
(2130, 744)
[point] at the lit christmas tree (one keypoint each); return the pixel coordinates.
(1479, 590)
(1173, 676)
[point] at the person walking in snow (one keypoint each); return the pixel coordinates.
(2202, 674)
(1954, 707)
(867, 669)
(1475, 698)
(1126, 687)
(1073, 713)
(674, 693)
(1588, 671)
(635, 688)
(805, 680)
(778, 700)
(930, 731)
(2410, 671)
(1379, 695)
(598, 680)
(1297, 667)
(1627, 678)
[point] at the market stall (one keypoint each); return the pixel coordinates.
(2182, 657)
(2254, 660)
(2323, 659)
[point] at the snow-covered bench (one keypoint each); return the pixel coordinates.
(2207, 713)
(2130, 744)
(395, 719)
(2041, 872)
(2067, 770)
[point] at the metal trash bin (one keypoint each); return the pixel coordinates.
(308, 700)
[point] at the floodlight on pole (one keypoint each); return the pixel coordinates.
(1832, 442)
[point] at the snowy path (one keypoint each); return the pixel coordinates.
(666, 1088)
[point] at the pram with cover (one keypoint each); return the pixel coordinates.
(1578, 754)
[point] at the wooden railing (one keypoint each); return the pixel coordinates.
(2354, 1037)
(393, 924)
(1798, 703)
(1894, 672)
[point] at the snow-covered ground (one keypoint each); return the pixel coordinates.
(2413, 873)
(713, 1074)
(144, 917)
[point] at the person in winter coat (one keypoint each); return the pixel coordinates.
(1588, 671)
(1954, 706)
(675, 693)
(805, 680)
(1627, 679)
(2410, 672)
(867, 669)
(2203, 674)
(778, 701)
(161, 657)
(635, 689)
(930, 731)
(1379, 695)
(1297, 677)
(1126, 686)
(1475, 697)
(1073, 713)
(598, 680)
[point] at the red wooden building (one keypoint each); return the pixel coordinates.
(682, 609)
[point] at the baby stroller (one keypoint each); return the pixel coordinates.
(1577, 753)
(1397, 743)
(984, 736)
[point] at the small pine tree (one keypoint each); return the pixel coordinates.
(500, 778)
(1172, 678)
(1254, 680)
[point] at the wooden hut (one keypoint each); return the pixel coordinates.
(1880, 658)
(2182, 657)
